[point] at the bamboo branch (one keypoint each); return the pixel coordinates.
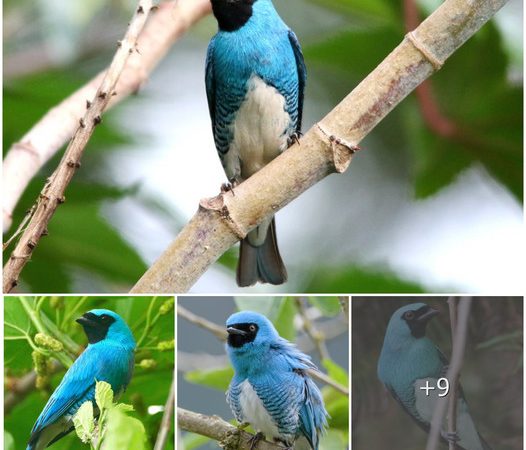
(52, 195)
(228, 436)
(453, 372)
(166, 422)
(57, 126)
(327, 148)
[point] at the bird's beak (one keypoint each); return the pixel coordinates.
(86, 321)
(428, 315)
(232, 330)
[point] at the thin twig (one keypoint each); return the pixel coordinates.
(453, 388)
(310, 329)
(218, 331)
(453, 372)
(344, 303)
(53, 193)
(228, 436)
(27, 156)
(166, 422)
(327, 148)
(320, 376)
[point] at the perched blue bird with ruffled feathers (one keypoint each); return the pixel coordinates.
(271, 388)
(408, 360)
(109, 357)
(255, 81)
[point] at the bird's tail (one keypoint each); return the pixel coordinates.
(260, 261)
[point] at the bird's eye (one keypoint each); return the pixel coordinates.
(252, 328)
(104, 317)
(409, 315)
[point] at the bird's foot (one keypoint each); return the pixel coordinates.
(450, 437)
(243, 425)
(255, 439)
(294, 139)
(229, 187)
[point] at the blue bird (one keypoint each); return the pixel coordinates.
(408, 360)
(109, 357)
(255, 82)
(271, 388)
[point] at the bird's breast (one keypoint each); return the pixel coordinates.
(260, 130)
(254, 411)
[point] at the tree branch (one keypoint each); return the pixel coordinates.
(58, 125)
(228, 436)
(316, 336)
(327, 148)
(166, 423)
(52, 195)
(453, 372)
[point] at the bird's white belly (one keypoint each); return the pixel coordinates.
(260, 130)
(254, 411)
(425, 406)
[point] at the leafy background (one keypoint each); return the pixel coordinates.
(205, 371)
(416, 212)
(148, 390)
(491, 376)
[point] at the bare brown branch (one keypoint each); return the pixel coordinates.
(58, 125)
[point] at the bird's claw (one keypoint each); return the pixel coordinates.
(450, 437)
(229, 187)
(253, 442)
(294, 139)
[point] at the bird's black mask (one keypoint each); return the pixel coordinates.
(231, 15)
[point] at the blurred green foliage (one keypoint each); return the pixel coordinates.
(151, 320)
(282, 312)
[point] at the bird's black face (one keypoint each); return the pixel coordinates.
(240, 334)
(231, 15)
(417, 320)
(95, 327)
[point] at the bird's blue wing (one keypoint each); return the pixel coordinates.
(232, 398)
(302, 76)
(313, 416)
(77, 386)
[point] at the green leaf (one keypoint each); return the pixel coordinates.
(123, 407)
(123, 431)
(9, 442)
(103, 395)
(84, 422)
(192, 440)
(267, 306)
(329, 306)
(338, 409)
(333, 440)
(336, 372)
(284, 321)
(217, 378)
(376, 10)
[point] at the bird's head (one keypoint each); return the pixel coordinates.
(232, 14)
(409, 322)
(105, 325)
(248, 330)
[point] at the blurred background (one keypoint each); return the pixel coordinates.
(417, 211)
(151, 320)
(491, 376)
(205, 371)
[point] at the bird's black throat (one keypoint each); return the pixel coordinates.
(247, 333)
(95, 327)
(418, 319)
(231, 15)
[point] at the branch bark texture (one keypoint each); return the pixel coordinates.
(228, 436)
(52, 195)
(53, 130)
(326, 148)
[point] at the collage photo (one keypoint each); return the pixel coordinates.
(263, 225)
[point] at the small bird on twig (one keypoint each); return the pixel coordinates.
(255, 82)
(271, 389)
(410, 362)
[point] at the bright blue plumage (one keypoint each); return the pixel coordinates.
(109, 357)
(409, 359)
(271, 388)
(255, 82)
